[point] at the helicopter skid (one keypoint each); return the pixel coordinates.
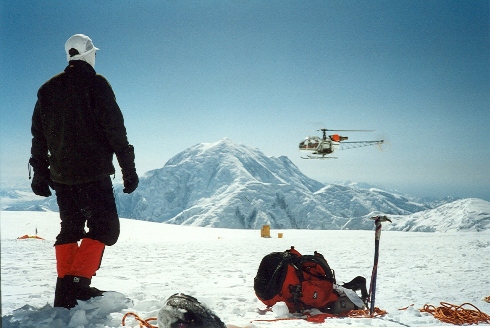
(318, 157)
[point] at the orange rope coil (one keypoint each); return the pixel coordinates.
(450, 313)
(143, 323)
(365, 313)
(322, 316)
(457, 314)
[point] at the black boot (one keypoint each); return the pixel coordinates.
(63, 294)
(80, 287)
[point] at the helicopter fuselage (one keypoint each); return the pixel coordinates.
(321, 146)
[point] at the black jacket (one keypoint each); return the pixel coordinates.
(77, 127)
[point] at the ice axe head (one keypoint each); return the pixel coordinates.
(380, 218)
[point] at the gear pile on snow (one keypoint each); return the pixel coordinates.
(305, 282)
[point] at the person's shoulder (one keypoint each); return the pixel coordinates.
(101, 80)
(102, 86)
(53, 81)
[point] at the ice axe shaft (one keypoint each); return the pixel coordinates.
(377, 236)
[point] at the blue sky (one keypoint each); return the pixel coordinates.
(269, 73)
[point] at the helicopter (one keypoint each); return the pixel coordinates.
(321, 148)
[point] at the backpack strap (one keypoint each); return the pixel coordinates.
(331, 272)
(297, 263)
(296, 290)
(320, 260)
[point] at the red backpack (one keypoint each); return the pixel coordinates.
(301, 281)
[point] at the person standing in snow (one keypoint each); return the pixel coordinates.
(77, 127)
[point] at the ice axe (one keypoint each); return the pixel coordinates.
(377, 236)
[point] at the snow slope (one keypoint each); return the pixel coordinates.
(471, 214)
(151, 261)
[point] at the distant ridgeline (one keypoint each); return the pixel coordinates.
(230, 185)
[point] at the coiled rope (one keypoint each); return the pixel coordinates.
(365, 313)
(449, 313)
(457, 314)
(143, 323)
(321, 317)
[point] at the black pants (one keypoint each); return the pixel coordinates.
(92, 204)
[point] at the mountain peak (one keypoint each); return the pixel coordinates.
(223, 174)
(229, 185)
(224, 184)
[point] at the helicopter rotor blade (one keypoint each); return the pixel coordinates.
(346, 130)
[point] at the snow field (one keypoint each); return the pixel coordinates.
(152, 261)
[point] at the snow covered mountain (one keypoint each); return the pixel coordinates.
(227, 185)
(223, 184)
(23, 199)
(348, 202)
(470, 214)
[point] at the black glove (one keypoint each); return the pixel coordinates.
(40, 185)
(126, 162)
(41, 181)
(131, 181)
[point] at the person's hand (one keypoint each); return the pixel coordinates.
(131, 180)
(126, 162)
(40, 185)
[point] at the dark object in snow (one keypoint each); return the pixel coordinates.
(184, 311)
(72, 288)
(358, 283)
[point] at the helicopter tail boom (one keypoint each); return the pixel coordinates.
(358, 144)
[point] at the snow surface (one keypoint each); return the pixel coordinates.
(152, 261)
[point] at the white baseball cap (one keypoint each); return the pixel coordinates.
(81, 43)
(80, 47)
